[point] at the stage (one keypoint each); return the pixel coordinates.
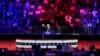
(11, 44)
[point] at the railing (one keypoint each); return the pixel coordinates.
(64, 30)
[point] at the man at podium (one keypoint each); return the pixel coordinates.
(47, 30)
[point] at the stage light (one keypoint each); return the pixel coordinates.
(45, 2)
(40, 7)
(42, 11)
(30, 13)
(38, 12)
(33, 6)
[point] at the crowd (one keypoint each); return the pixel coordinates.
(25, 14)
(48, 52)
(54, 12)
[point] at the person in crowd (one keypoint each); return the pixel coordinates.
(92, 51)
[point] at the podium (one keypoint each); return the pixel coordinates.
(49, 33)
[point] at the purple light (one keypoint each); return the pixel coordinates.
(82, 11)
(94, 13)
(32, 6)
(27, 5)
(89, 24)
(17, 0)
(24, 11)
(38, 12)
(30, 13)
